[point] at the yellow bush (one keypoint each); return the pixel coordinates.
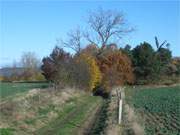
(93, 71)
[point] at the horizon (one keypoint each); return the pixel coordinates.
(35, 26)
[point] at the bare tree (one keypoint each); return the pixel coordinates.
(31, 65)
(74, 40)
(159, 46)
(106, 25)
(29, 60)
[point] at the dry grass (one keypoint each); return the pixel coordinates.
(34, 109)
(133, 120)
(112, 121)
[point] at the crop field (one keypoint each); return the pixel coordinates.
(160, 109)
(10, 89)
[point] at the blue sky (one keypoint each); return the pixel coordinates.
(35, 26)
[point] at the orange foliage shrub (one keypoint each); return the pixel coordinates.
(116, 69)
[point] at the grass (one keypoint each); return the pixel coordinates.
(46, 112)
(6, 131)
(71, 117)
(10, 89)
(159, 108)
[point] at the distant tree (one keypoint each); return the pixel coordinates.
(31, 64)
(29, 60)
(105, 25)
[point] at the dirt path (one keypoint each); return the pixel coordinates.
(112, 121)
(100, 122)
(89, 122)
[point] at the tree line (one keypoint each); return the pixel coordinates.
(101, 64)
(98, 63)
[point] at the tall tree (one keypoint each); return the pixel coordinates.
(106, 25)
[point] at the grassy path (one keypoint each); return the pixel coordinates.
(72, 117)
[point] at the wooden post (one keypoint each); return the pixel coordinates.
(120, 108)
(120, 111)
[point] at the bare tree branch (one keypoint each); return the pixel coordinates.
(159, 46)
(105, 25)
(74, 41)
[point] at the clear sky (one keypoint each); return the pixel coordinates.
(35, 26)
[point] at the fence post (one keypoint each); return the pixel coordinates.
(120, 108)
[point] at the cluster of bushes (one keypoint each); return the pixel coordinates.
(88, 69)
(64, 69)
(100, 69)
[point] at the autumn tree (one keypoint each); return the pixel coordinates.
(87, 73)
(116, 69)
(56, 67)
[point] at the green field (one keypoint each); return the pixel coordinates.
(159, 108)
(10, 89)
